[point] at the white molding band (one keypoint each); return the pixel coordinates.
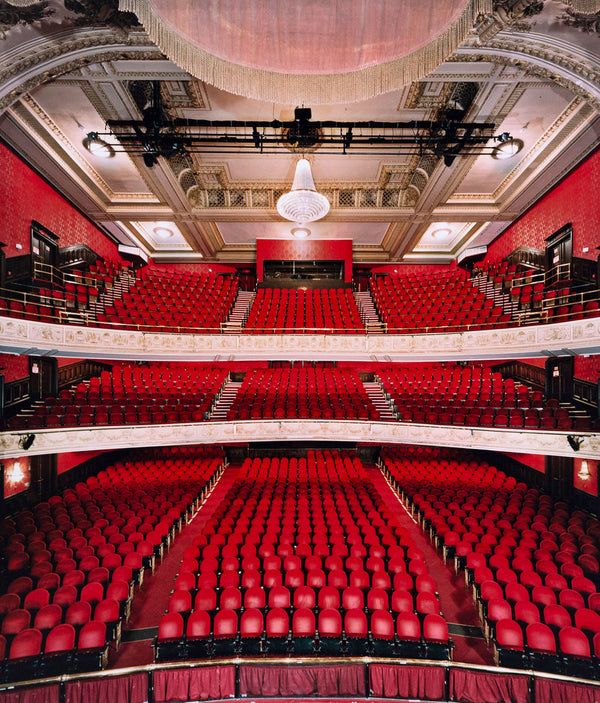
(58, 441)
(39, 338)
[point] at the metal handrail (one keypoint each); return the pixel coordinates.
(87, 317)
(561, 272)
(47, 272)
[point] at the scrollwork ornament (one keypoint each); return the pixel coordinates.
(24, 12)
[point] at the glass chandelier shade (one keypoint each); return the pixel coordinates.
(303, 204)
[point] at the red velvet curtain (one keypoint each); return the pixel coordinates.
(547, 691)
(302, 680)
(482, 687)
(116, 689)
(40, 694)
(197, 684)
(422, 682)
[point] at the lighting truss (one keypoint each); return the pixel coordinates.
(157, 135)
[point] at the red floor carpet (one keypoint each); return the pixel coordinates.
(150, 602)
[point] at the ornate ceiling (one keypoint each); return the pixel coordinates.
(531, 68)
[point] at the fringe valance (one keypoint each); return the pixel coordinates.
(310, 87)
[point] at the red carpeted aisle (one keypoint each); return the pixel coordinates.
(456, 602)
(150, 602)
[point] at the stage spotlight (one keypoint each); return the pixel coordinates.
(574, 442)
(26, 441)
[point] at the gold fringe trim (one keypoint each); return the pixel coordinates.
(297, 89)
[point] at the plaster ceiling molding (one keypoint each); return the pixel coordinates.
(281, 53)
(443, 236)
(587, 7)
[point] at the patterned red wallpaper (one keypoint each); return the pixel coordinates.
(194, 268)
(406, 269)
(296, 250)
(14, 367)
(588, 368)
(24, 196)
(574, 200)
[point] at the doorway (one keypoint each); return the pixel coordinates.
(559, 255)
(559, 378)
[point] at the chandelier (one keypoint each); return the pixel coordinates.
(303, 204)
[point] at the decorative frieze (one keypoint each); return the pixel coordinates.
(29, 336)
(57, 441)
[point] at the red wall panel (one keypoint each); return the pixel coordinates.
(69, 460)
(14, 367)
(587, 368)
(587, 485)
(408, 269)
(17, 475)
(296, 250)
(193, 268)
(534, 461)
(24, 196)
(571, 201)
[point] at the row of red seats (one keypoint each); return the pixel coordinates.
(160, 302)
(75, 559)
(310, 543)
(532, 562)
(452, 301)
(282, 310)
(155, 393)
(285, 393)
(451, 394)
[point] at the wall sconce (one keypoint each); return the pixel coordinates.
(584, 471)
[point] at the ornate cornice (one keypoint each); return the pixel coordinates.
(544, 57)
(37, 62)
(31, 337)
(58, 441)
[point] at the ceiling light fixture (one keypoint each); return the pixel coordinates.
(507, 149)
(300, 232)
(303, 204)
(97, 146)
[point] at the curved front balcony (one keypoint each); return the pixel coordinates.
(22, 336)
(319, 678)
(57, 441)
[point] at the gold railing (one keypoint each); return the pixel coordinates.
(60, 312)
(562, 272)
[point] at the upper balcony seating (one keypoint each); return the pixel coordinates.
(54, 301)
(280, 310)
(70, 564)
(302, 393)
(540, 297)
(469, 395)
(532, 561)
(173, 302)
(415, 304)
(303, 556)
(130, 394)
